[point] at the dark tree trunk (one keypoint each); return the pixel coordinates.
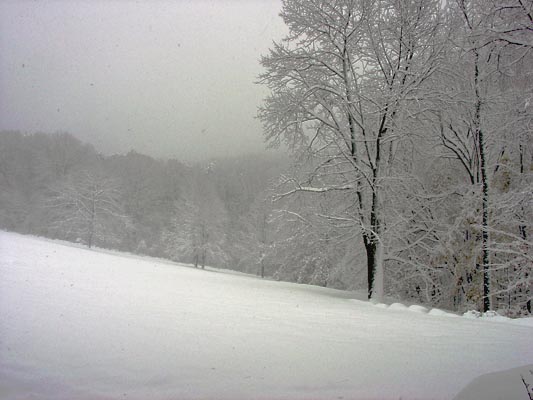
(484, 189)
(478, 132)
(521, 227)
(371, 250)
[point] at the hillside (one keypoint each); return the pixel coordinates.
(90, 324)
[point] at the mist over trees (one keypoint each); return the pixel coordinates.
(54, 185)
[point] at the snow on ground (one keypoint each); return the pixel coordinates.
(86, 324)
(503, 385)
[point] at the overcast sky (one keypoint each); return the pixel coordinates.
(167, 78)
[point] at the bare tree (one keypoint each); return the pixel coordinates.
(196, 231)
(87, 207)
(480, 122)
(511, 22)
(343, 82)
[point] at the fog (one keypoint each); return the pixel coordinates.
(170, 79)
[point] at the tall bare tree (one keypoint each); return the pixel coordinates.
(343, 83)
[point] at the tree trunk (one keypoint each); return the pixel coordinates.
(485, 233)
(484, 190)
(374, 259)
(370, 248)
(374, 248)
(91, 224)
(374, 252)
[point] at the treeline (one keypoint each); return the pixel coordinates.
(218, 213)
(55, 186)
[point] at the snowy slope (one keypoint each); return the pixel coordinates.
(84, 324)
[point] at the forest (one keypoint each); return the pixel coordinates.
(408, 127)
(212, 213)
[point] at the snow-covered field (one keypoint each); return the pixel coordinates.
(87, 324)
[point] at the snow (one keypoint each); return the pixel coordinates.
(441, 313)
(88, 324)
(397, 306)
(472, 314)
(418, 309)
(493, 316)
(500, 385)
